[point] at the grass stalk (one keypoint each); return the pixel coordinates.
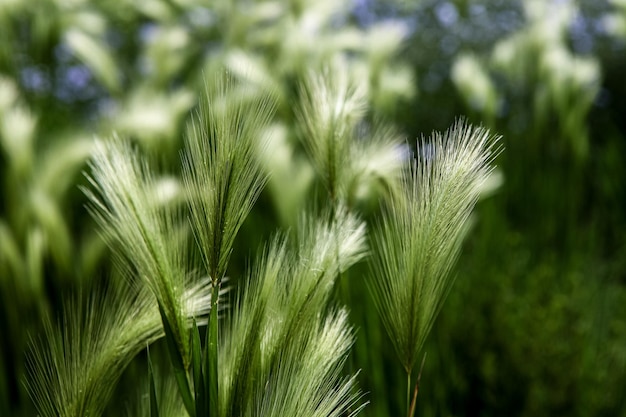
(212, 358)
(408, 392)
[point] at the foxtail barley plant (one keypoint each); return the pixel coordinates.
(275, 342)
(419, 237)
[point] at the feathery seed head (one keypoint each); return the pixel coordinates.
(222, 172)
(419, 237)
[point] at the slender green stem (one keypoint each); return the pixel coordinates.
(413, 403)
(408, 393)
(154, 406)
(212, 350)
(176, 358)
(414, 400)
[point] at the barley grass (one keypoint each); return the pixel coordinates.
(417, 241)
(280, 345)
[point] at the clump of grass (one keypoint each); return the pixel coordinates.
(280, 346)
(279, 351)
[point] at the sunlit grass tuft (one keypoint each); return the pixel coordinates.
(280, 347)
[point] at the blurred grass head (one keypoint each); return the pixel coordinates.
(351, 154)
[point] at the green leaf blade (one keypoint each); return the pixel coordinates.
(198, 374)
(154, 406)
(176, 359)
(211, 355)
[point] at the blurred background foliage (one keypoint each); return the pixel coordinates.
(536, 323)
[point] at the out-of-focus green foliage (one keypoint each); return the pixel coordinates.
(533, 86)
(616, 21)
(533, 76)
(536, 327)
